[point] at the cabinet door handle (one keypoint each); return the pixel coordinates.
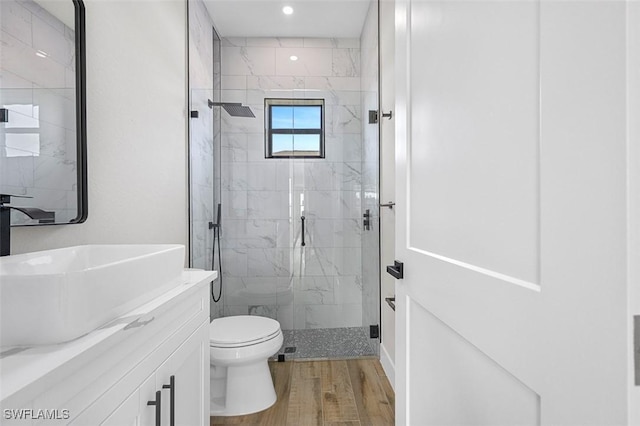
(172, 399)
(158, 407)
(302, 219)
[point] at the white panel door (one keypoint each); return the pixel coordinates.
(511, 214)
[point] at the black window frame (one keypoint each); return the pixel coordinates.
(269, 103)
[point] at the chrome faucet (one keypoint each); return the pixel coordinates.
(5, 220)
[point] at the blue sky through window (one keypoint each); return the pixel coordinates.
(290, 143)
(295, 117)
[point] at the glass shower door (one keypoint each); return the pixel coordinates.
(327, 275)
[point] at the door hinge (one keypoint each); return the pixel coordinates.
(374, 331)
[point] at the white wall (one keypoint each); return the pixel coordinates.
(387, 182)
(136, 126)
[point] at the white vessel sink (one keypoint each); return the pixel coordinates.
(54, 296)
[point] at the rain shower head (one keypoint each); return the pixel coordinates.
(233, 109)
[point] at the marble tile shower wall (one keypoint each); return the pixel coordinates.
(265, 268)
(205, 134)
(38, 145)
(370, 168)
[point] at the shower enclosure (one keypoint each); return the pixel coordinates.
(325, 293)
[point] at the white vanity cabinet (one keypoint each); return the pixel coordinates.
(159, 352)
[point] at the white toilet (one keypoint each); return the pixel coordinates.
(240, 379)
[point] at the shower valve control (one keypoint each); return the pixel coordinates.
(367, 220)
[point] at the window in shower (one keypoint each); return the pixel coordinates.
(294, 128)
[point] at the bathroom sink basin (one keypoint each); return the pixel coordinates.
(54, 296)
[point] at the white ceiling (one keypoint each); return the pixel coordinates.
(311, 18)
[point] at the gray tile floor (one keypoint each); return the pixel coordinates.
(335, 343)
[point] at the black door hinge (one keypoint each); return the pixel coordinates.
(374, 331)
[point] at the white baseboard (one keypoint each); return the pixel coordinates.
(388, 366)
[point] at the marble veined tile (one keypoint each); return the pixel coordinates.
(322, 204)
(268, 204)
(313, 290)
(47, 39)
(248, 60)
(255, 146)
(16, 20)
(331, 316)
(249, 234)
(346, 62)
(235, 177)
(343, 147)
(234, 82)
(269, 311)
(287, 83)
(332, 83)
(348, 176)
(311, 61)
(318, 262)
(347, 232)
(234, 204)
(319, 232)
(234, 148)
(347, 119)
(20, 59)
(235, 262)
(262, 176)
(53, 173)
(284, 237)
(348, 260)
(347, 289)
(319, 175)
(268, 262)
(233, 95)
(285, 316)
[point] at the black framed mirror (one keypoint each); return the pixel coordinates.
(43, 160)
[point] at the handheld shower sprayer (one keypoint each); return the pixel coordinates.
(216, 237)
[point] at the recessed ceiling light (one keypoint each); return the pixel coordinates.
(42, 54)
(287, 10)
(293, 57)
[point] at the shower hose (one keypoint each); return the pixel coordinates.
(216, 237)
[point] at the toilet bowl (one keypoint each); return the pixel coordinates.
(239, 347)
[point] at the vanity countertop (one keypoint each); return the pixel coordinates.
(20, 367)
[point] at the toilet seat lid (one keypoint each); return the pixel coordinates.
(242, 329)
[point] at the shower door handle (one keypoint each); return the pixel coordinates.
(302, 219)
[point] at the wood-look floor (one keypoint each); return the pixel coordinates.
(325, 393)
